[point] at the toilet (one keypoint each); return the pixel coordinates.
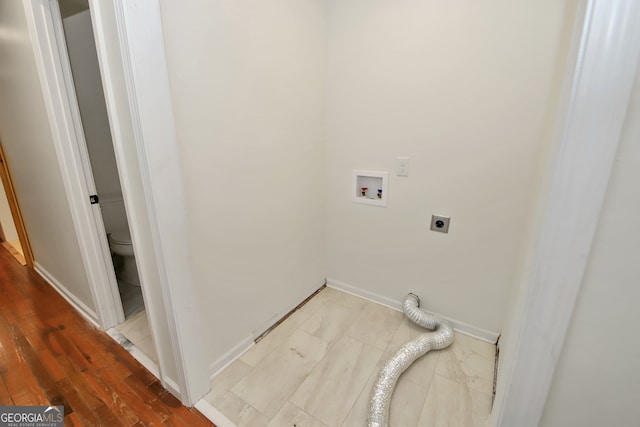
(120, 244)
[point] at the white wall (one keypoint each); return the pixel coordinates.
(86, 78)
(464, 90)
(517, 300)
(597, 381)
(26, 136)
(6, 220)
(81, 48)
(247, 83)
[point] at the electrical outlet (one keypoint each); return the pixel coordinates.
(440, 223)
(402, 168)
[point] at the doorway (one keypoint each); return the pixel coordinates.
(133, 66)
(8, 233)
(13, 235)
(75, 32)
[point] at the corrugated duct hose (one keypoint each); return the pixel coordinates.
(441, 337)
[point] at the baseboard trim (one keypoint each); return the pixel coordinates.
(172, 386)
(230, 356)
(81, 307)
(215, 416)
(368, 295)
(461, 327)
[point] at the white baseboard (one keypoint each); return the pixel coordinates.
(172, 386)
(81, 307)
(230, 356)
(462, 327)
(213, 414)
(362, 293)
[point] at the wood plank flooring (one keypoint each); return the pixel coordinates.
(50, 355)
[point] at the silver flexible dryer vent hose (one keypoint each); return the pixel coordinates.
(441, 337)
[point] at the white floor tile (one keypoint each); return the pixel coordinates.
(331, 321)
(281, 372)
(450, 403)
(468, 361)
(375, 325)
(344, 298)
(317, 369)
(333, 386)
(291, 415)
(270, 342)
(230, 376)
(357, 415)
(406, 403)
(136, 329)
(239, 411)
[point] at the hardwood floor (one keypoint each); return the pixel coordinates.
(50, 355)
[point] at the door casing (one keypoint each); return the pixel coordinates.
(130, 48)
(14, 206)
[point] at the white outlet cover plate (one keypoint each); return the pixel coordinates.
(402, 166)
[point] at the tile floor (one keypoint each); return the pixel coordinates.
(316, 370)
(136, 329)
(131, 297)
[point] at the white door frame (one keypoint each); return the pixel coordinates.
(139, 24)
(114, 309)
(601, 84)
(172, 306)
(71, 150)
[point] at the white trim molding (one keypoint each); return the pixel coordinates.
(112, 48)
(230, 356)
(75, 302)
(459, 326)
(601, 85)
(129, 42)
(149, 97)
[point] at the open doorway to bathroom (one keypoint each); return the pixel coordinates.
(100, 164)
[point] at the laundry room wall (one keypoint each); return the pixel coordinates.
(464, 90)
(248, 85)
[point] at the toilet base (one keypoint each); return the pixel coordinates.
(129, 271)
